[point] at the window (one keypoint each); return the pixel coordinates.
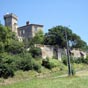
(35, 28)
(23, 31)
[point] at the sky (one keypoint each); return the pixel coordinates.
(50, 13)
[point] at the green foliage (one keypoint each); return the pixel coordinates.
(6, 34)
(37, 39)
(73, 72)
(77, 42)
(48, 63)
(9, 42)
(81, 60)
(37, 67)
(6, 71)
(1, 47)
(14, 47)
(35, 52)
(57, 36)
(25, 62)
(64, 60)
(52, 63)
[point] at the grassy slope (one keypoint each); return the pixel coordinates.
(30, 80)
(74, 82)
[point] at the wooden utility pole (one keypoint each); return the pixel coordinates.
(68, 55)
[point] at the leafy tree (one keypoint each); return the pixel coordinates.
(57, 36)
(14, 47)
(9, 42)
(35, 52)
(1, 47)
(37, 39)
(77, 42)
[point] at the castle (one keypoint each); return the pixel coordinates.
(24, 32)
(28, 31)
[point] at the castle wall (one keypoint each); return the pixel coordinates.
(11, 21)
(77, 53)
(35, 29)
(49, 51)
(25, 32)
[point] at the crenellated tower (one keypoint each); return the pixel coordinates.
(11, 21)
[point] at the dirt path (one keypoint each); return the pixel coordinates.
(82, 73)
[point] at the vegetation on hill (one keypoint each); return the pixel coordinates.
(15, 57)
(27, 67)
(57, 36)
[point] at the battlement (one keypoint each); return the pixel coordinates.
(10, 15)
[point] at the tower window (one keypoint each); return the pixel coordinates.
(23, 31)
(35, 28)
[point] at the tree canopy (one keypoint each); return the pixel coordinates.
(57, 36)
(8, 41)
(37, 39)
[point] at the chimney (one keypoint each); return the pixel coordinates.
(27, 23)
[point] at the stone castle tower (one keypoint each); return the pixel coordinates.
(24, 32)
(11, 21)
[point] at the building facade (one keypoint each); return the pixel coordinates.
(28, 31)
(11, 21)
(24, 32)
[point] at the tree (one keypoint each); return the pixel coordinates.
(9, 42)
(77, 42)
(37, 39)
(35, 52)
(14, 47)
(56, 36)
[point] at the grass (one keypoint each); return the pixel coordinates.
(47, 79)
(67, 82)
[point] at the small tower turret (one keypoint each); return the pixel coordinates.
(11, 21)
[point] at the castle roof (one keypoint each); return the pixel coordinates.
(10, 15)
(31, 25)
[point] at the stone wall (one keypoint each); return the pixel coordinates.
(78, 53)
(50, 51)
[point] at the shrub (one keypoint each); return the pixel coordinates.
(73, 72)
(46, 63)
(64, 60)
(81, 60)
(35, 52)
(1, 47)
(25, 63)
(6, 71)
(37, 67)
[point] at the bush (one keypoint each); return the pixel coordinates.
(73, 71)
(1, 47)
(6, 71)
(35, 52)
(46, 63)
(81, 60)
(25, 62)
(37, 67)
(64, 60)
